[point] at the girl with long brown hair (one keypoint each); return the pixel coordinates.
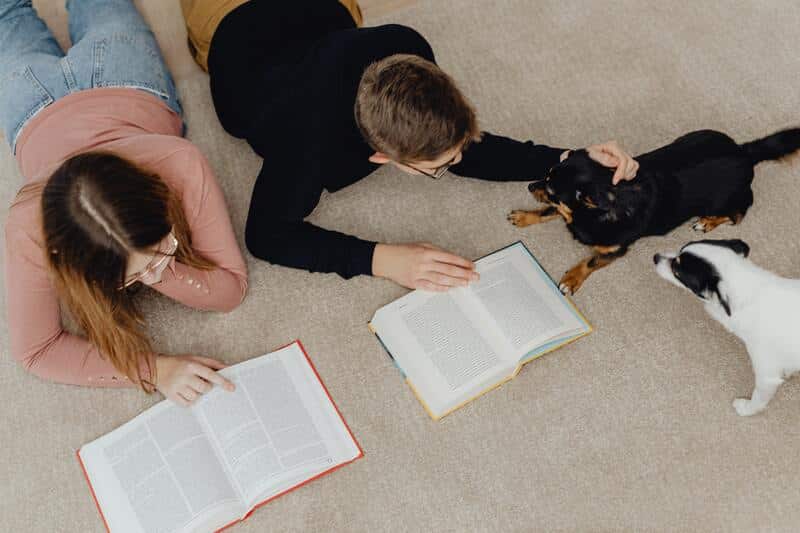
(115, 199)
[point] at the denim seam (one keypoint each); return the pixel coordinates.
(69, 76)
(99, 56)
(135, 85)
(98, 52)
(47, 99)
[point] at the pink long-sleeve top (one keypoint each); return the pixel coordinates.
(139, 127)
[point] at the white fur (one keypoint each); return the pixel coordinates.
(765, 315)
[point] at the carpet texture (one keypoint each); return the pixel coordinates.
(630, 429)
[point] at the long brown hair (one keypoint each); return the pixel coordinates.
(97, 208)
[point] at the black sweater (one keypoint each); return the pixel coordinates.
(284, 77)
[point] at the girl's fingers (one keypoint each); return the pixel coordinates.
(200, 385)
(180, 400)
(209, 362)
(189, 394)
(214, 377)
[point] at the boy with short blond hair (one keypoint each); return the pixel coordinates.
(325, 102)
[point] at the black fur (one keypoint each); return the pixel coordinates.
(704, 173)
(700, 276)
(737, 246)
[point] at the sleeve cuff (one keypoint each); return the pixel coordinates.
(361, 258)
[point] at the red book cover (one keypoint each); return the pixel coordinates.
(290, 489)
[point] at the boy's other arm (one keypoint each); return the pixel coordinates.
(498, 158)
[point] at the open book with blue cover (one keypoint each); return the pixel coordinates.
(452, 347)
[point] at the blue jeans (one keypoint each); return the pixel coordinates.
(112, 46)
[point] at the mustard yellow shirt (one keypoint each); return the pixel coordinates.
(204, 16)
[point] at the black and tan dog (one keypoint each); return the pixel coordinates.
(703, 174)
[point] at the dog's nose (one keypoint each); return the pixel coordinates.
(532, 186)
(656, 258)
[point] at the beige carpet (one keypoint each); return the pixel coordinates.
(631, 429)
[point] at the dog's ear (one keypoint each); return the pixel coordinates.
(739, 246)
(719, 290)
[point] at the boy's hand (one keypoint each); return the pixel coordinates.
(611, 154)
(184, 378)
(422, 266)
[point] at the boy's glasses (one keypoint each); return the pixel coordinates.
(437, 172)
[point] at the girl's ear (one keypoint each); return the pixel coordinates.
(379, 158)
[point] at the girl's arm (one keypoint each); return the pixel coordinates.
(220, 289)
(38, 341)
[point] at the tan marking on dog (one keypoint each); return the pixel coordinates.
(604, 250)
(706, 224)
(565, 212)
(791, 159)
(588, 202)
(522, 218)
(541, 196)
(575, 276)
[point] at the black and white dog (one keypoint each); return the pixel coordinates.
(759, 307)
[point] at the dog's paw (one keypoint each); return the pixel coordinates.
(519, 218)
(745, 407)
(706, 224)
(570, 283)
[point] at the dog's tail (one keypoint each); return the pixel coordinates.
(775, 146)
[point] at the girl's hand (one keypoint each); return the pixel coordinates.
(183, 378)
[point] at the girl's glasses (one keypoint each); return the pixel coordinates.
(151, 273)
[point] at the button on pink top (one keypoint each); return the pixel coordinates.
(139, 127)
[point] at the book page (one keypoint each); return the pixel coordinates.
(274, 429)
(517, 297)
(450, 340)
(159, 472)
(436, 339)
(452, 346)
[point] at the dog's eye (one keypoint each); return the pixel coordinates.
(611, 196)
(578, 195)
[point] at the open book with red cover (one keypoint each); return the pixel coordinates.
(203, 468)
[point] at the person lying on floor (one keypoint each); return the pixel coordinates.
(114, 199)
(325, 103)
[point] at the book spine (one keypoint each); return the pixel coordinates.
(391, 357)
(91, 489)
